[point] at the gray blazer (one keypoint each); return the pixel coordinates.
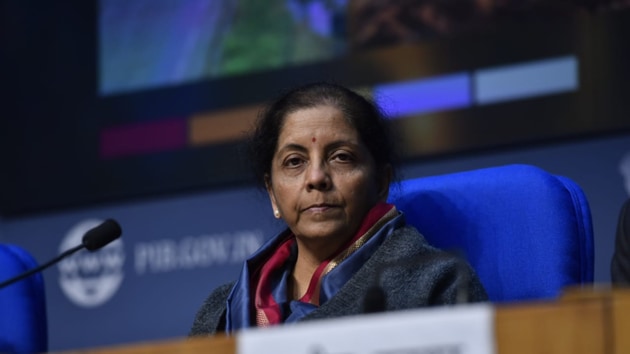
(413, 274)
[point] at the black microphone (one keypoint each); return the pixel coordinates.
(96, 238)
(376, 299)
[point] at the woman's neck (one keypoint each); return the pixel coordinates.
(310, 255)
(305, 266)
(301, 278)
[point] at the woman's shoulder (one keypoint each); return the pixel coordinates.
(407, 237)
(224, 288)
(209, 316)
(408, 243)
(218, 296)
(444, 273)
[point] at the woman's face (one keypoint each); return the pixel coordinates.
(323, 179)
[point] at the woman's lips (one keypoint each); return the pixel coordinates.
(319, 208)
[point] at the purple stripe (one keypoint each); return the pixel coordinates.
(143, 138)
(425, 95)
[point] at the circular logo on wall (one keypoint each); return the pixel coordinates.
(90, 279)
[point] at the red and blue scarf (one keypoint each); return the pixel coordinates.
(260, 296)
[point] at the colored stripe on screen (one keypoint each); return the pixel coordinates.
(144, 138)
(526, 80)
(434, 94)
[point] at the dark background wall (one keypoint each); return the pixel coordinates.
(173, 202)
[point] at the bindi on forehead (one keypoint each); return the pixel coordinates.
(314, 139)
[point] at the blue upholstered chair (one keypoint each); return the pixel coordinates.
(23, 325)
(526, 232)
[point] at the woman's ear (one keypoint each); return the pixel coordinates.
(272, 197)
(384, 181)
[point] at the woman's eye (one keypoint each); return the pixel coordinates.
(342, 156)
(293, 161)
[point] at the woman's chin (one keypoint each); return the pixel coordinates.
(327, 234)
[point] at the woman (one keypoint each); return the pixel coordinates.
(323, 155)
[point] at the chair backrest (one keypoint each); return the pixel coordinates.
(620, 263)
(23, 321)
(527, 233)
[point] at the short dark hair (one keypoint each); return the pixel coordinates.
(362, 113)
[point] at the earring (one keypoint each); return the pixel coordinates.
(276, 213)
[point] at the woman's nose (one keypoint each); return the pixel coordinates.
(318, 177)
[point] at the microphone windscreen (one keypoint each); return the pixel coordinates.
(101, 235)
